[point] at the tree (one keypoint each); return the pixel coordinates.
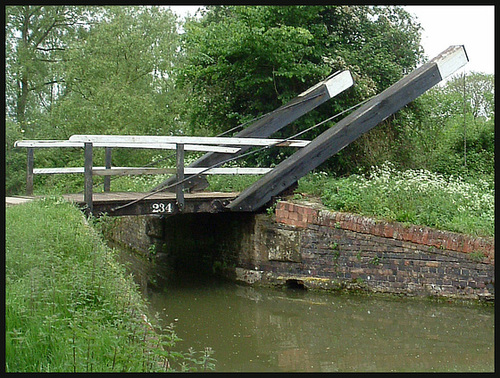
(37, 39)
(479, 92)
(88, 70)
(244, 61)
(451, 131)
(118, 76)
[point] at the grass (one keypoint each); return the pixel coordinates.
(418, 197)
(70, 306)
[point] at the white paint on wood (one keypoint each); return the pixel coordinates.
(228, 171)
(339, 83)
(450, 60)
(335, 84)
(188, 140)
(103, 171)
(158, 146)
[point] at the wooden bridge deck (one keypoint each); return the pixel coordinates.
(162, 203)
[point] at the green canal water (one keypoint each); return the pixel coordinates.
(255, 329)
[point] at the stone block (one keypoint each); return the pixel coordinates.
(283, 245)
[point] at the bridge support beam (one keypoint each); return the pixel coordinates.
(179, 188)
(88, 181)
(107, 162)
(29, 171)
(349, 129)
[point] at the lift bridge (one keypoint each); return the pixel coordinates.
(183, 191)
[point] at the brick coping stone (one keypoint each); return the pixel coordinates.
(305, 214)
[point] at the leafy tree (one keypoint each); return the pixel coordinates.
(88, 70)
(452, 130)
(37, 40)
(244, 61)
(117, 76)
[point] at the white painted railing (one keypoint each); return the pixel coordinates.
(179, 143)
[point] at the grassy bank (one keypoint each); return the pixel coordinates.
(70, 307)
(416, 197)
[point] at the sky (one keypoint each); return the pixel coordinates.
(446, 25)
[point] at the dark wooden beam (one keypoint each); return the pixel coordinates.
(272, 122)
(88, 181)
(107, 162)
(29, 171)
(179, 188)
(349, 129)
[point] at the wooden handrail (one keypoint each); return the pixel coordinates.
(130, 144)
(113, 171)
(180, 143)
(224, 141)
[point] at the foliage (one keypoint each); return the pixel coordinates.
(89, 70)
(452, 132)
(231, 183)
(37, 40)
(69, 306)
(244, 61)
(117, 74)
(413, 196)
(15, 159)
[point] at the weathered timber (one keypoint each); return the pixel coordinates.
(29, 172)
(129, 144)
(107, 162)
(114, 171)
(274, 121)
(179, 188)
(143, 140)
(349, 129)
(88, 181)
(159, 204)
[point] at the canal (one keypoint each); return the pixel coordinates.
(255, 329)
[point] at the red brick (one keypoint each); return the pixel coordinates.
(425, 236)
(280, 219)
(388, 230)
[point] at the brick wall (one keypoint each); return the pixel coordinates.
(347, 250)
(306, 246)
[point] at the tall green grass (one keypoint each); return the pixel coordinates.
(413, 196)
(70, 306)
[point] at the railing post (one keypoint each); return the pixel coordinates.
(29, 171)
(179, 189)
(107, 179)
(87, 196)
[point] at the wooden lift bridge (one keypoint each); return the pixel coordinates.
(181, 192)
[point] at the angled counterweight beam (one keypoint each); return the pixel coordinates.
(274, 121)
(349, 129)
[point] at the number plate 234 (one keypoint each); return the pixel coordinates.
(161, 207)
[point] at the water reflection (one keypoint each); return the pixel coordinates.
(265, 329)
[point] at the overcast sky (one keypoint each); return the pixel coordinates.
(471, 26)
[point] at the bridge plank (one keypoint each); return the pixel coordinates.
(161, 203)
